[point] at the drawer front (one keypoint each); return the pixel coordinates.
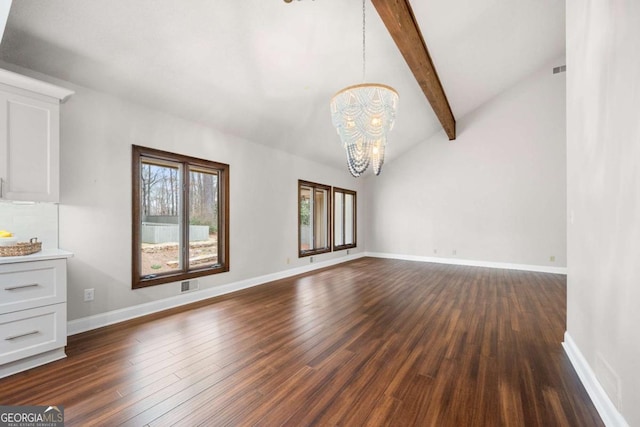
(30, 332)
(27, 285)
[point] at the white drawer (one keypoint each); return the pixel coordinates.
(29, 332)
(32, 284)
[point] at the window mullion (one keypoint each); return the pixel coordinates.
(221, 218)
(184, 244)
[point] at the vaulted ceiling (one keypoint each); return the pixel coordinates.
(265, 70)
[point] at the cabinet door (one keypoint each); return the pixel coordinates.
(29, 148)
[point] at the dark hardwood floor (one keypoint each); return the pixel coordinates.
(369, 342)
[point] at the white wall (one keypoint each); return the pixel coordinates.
(97, 131)
(5, 6)
(495, 194)
(95, 208)
(603, 194)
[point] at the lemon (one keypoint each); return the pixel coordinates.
(4, 233)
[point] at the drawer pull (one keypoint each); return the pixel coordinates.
(15, 337)
(13, 288)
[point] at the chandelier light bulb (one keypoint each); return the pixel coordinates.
(363, 115)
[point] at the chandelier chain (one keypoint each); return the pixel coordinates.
(364, 45)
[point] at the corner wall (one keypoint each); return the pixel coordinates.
(603, 200)
(494, 195)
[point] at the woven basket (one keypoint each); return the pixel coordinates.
(20, 249)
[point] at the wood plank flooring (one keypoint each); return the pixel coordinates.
(370, 342)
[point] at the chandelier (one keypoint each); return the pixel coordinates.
(363, 115)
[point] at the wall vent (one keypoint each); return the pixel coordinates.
(560, 69)
(188, 285)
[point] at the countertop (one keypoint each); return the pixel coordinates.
(44, 254)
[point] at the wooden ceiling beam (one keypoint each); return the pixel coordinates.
(398, 17)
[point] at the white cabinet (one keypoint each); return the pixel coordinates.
(29, 166)
(33, 313)
(29, 138)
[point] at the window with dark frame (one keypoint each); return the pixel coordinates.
(344, 219)
(180, 216)
(314, 223)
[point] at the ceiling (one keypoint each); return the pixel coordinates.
(265, 70)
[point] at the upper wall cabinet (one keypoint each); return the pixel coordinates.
(29, 138)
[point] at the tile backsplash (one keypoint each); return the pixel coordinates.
(27, 220)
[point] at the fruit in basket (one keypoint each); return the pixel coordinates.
(5, 233)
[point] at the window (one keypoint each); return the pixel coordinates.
(180, 217)
(344, 219)
(314, 206)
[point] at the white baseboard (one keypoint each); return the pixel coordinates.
(473, 263)
(607, 410)
(116, 316)
(12, 368)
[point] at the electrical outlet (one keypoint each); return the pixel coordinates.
(89, 294)
(347, 251)
(310, 259)
(455, 252)
(435, 251)
(552, 258)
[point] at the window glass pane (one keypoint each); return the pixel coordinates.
(160, 218)
(320, 218)
(338, 239)
(203, 218)
(349, 208)
(314, 208)
(306, 232)
(344, 219)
